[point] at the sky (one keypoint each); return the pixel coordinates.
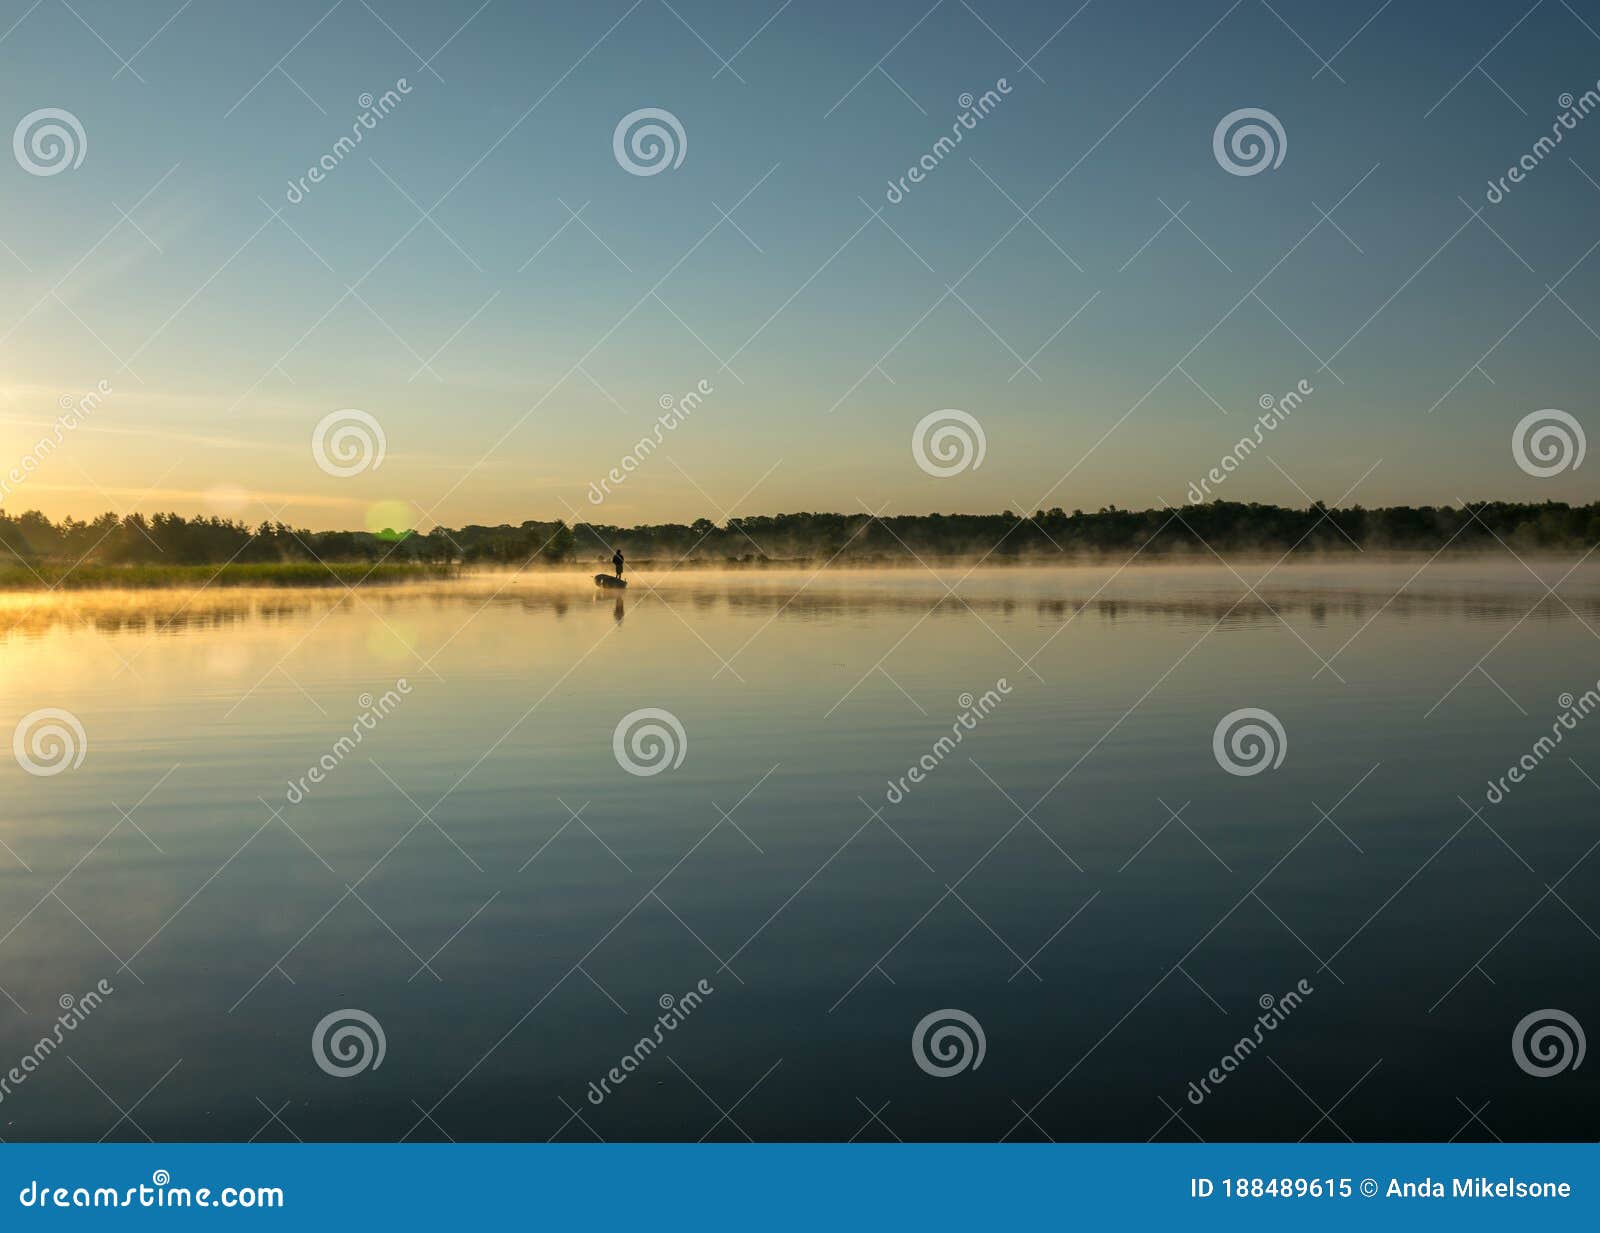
(511, 306)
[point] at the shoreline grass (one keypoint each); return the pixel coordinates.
(43, 576)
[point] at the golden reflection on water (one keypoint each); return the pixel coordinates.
(1319, 593)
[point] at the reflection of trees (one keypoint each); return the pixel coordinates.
(762, 596)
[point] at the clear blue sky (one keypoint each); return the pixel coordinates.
(821, 329)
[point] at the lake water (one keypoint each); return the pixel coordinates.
(1079, 874)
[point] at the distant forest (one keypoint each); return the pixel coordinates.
(1226, 526)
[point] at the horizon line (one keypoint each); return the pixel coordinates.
(730, 520)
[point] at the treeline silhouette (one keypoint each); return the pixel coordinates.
(1223, 526)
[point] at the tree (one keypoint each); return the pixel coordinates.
(562, 545)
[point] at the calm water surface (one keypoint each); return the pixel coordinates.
(1078, 874)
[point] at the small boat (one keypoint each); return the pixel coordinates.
(606, 580)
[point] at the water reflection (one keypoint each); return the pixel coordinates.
(1197, 594)
(481, 874)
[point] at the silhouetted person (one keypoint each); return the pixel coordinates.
(616, 563)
